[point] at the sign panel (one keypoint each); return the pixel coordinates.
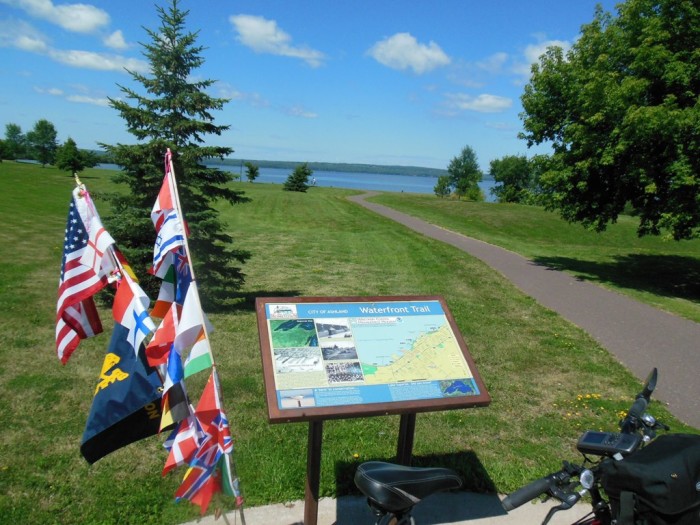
(330, 357)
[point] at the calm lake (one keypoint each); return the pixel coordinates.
(349, 180)
(359, 181)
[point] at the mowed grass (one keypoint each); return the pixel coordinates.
(657, 270)
(547, 378)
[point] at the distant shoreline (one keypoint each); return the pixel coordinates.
(413, 171)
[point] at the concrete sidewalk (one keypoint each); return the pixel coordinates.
(444, 508)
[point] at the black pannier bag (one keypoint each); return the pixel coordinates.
(657, 485)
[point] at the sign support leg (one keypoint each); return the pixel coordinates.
(313, 472)
(404, 450)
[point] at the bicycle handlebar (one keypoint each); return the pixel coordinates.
(530, 491)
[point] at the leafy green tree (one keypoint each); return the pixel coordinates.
(512, 173)
(69, 158)
(442, 188)
(298, 179)
(15, 142)
(173, 110)
(252, 171)
(465, 175)
(42, 141)
(620, 111)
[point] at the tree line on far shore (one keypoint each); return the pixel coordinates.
(41, 144)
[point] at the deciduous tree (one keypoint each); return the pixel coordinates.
(42, 141)
(173, 110)
(71, 159)
(442, 188)
(620, 110)
(465, 175)
(15, 142)
(251, 171)
(512, 173)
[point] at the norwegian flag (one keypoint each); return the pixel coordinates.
(198, 486)
(76, 314)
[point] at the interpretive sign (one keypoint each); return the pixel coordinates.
(333, 357)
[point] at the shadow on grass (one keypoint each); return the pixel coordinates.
(664, 275)
(245, 302)
(477, 499)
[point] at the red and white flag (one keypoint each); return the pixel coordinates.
(76, 315)
(96, 254)
(130, 310)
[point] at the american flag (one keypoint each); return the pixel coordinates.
(76, 315)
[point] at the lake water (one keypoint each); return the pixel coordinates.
(360, 181)
(348, 180)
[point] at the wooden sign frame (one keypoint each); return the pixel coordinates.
(431, 333)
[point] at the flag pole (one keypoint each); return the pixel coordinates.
(170, 172)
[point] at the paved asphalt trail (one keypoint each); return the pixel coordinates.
(638, 335)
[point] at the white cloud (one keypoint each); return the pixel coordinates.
(50, 91)
(116, 40)
(97, 61)
(299, 111)
(402, 51)
(20, 35)
(534, 51)
(23, 36)
(264, 36)
(483, 103)
(256, 100)
(83, 99)
(494, 63)
(532, 54)
(80, 18)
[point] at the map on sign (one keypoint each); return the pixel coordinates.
(331, 354)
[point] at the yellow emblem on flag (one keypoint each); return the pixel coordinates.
(109, 373)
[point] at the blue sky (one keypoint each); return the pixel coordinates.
(382, 81)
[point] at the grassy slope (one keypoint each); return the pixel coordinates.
(535, 365)
(660, 272)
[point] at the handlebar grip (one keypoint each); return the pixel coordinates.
(638, 407)
(528, 492)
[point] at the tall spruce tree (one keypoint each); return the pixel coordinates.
(174, 111)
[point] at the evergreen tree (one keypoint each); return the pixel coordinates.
(175, 112)
(298, 179)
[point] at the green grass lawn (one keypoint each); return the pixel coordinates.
(548, 380)
(656, 270)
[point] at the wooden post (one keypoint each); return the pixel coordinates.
(313, 472)
(404, 449)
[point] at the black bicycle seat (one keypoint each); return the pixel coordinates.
(396, 488)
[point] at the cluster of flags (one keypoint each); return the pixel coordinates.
(141, 387)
